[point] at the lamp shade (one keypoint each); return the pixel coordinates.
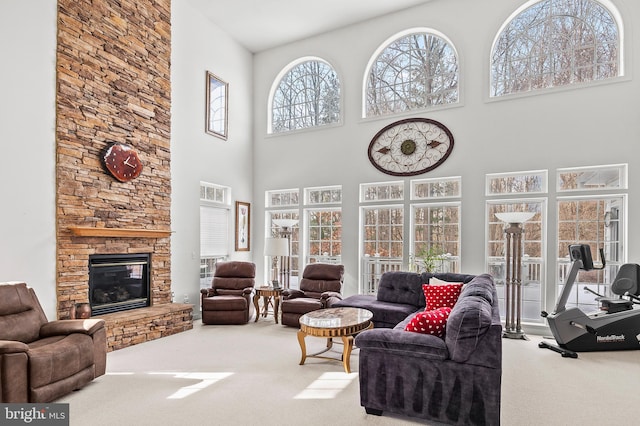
(276, 247)
(515, 217)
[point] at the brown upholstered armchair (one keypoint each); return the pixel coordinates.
(42, 360)
(228, 301)
(320, 287)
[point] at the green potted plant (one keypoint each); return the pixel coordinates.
(431, 257)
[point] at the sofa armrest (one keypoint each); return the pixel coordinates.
(65, 327)
(247, 290)
(12, 347)
(328, 298)
(405, 343)
(207, 292)
(292, 293)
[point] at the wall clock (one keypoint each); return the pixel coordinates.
(410, 147)
(122, 162)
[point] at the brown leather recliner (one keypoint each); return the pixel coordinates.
(228, 301)
(320, 287)
(42, 360)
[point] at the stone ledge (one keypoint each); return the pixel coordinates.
(128, 328)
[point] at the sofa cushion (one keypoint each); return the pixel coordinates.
(55, 358)
(441, 295)
(468, 322)
(393, 341)
(429, 322)
(385, 314)
(401, 287)
(301, 305)
(447, 276)
(20, 313)
(482, 286)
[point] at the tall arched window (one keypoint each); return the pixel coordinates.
(417, 70)
(552, 43)
(307, 94)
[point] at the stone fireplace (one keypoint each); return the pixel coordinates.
(113, 85)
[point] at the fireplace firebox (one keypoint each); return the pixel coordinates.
(119, 282)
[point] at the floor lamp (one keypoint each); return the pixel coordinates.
(277, 249)
(286, 230)
(513, 278)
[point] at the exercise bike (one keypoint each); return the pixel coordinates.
(616, 326)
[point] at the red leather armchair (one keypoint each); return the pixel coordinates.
(228, 301)
(320, 287)
(42, 360)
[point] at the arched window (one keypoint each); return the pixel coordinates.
(306, 95)
(417, 70)
(554, 43)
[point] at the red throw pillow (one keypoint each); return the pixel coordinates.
(441, 295)
(429, 322)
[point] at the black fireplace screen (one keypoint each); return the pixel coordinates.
(119, 282)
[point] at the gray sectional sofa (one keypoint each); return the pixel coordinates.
(454, 379)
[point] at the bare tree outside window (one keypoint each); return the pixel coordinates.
(307, 96)
(555, 43)
(416, 71)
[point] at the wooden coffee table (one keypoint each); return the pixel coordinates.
(330, 323)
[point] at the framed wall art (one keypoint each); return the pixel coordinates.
(243, 226)
(216, 108)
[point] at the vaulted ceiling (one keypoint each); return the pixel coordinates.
(263, 24)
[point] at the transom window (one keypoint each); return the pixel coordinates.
(415, 71)
(307, 95)
(555, 43)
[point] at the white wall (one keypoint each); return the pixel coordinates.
(199, 46)
(27, 147)
(589, 126)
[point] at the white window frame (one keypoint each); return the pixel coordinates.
(597, 174)
(303, 106)
(512, 180)
(215, 201)
(617, 18)
(384, 46)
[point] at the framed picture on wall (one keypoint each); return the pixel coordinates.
(243, 226)
(216, 108)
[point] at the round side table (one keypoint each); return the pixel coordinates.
(270, 297)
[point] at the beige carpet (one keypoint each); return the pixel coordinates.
(249, 375)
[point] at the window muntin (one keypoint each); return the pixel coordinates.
(592, 178)
(427, 189)
(324, 230)
(436, 230)
(282, 198)
(382, 230)
(555, 43)
(383, 191)
(323, 195)
(416, 70)
(210, 192)
(517, 183)
(307, 95)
